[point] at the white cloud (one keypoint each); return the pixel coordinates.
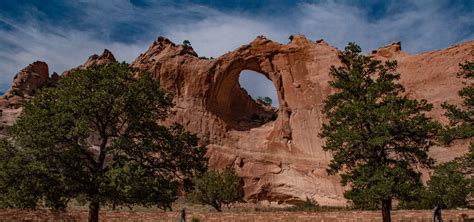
(213, 33)
(61, 51)
(426, 26)
(217, 35)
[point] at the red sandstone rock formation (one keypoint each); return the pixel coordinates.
(25, 83)
(29, 80)
(106, 57)
(283, 160)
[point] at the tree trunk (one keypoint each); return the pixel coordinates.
(217, 207)
(94, 211)
(386, 206)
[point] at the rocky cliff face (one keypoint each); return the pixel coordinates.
(25, 83)
(282, 160)
(106, 57)
(30, 79)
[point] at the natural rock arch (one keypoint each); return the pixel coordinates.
(281, 161)
(230, 102)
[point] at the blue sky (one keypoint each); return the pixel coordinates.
(65, 33)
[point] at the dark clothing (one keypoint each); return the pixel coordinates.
(437, 215)
(183, 215)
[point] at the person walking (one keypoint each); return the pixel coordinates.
(437, 214)
(183, 215)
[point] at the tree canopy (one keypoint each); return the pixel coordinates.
(98, 134)
(375, 132)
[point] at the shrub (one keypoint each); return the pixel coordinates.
(187, 43)
(267, 101)
(216, 188)
(309, 205)
(448, 187)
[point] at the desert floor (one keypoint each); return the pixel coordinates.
(155, 215)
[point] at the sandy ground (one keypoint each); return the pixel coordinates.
(353, 216)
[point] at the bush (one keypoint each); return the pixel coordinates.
(447, 188)
(216, 188)
(267, 101)
(187, 43)
(309, 205)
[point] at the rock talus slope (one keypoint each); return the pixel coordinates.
(282, 160)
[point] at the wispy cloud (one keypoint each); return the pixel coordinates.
(127, 29)
(424, 26)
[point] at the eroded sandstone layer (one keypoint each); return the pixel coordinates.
(282, 160)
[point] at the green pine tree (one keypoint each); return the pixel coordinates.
(461, 126)
(376, 133)
(97, 135)
(461, 118)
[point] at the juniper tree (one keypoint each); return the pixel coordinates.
(97, 134)
(216, 188)
(375, 132)
(448, 187)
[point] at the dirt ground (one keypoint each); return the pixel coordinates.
(351, 216)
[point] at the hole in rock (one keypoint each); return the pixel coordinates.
(259, 96)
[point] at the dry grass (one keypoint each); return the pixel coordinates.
(154, 215)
